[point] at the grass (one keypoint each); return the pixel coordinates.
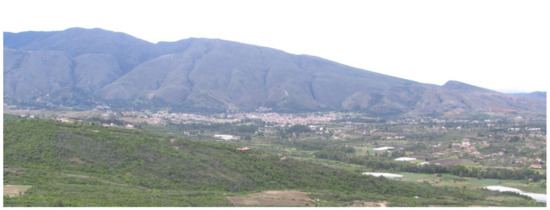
(524, 186)
(472, 183)
(487, 181)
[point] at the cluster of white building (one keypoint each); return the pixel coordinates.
(226, 137)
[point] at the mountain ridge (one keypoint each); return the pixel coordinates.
(214, 75)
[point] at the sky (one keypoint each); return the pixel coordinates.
(501, 45)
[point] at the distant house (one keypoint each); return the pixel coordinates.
(387, 175)
(62, 119)
(383, 148)
(424, 163)
(405, 159)
(536, 165)
(283, 158)
(225, 137)
(243, 148)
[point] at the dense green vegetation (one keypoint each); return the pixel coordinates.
(78, 164)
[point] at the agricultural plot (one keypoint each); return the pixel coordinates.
(272, 198)
(15, 190)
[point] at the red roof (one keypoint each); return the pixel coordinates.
(536, 166)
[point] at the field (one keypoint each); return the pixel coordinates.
(359, 203)
(449, 162)
(272, 198)
(15, 190)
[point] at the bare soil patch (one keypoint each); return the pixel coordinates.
(15, 190)
(450, 162)
(76, 160)
(361, 203)
(272, 198)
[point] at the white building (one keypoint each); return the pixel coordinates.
(225, 137)
(383, 148)
(387, 175)
(423, 163)
(405, 159)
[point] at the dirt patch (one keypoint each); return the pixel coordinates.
(361, 203)
(76, 160)
(450, 162)
(453, 112)
(272, 198)
(15, 190)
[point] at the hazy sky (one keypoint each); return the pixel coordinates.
(500, 45)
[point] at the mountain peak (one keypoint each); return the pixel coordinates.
(463, 87)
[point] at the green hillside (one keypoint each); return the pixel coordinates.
(88, 165)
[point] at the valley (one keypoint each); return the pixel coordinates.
(452, 152)
(96, 118)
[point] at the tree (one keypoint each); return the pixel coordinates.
(515, 139)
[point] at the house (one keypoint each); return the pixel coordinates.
(225, 137)
(536, 165)
(386, 175)
(283, 158)
(383, 148)
(405, 159)
(62, 119)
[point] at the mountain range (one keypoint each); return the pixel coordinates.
(85, 68)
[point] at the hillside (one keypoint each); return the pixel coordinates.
(84, 68)
(66, 164)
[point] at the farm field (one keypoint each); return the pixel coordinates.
(273, 198)
(15, 190)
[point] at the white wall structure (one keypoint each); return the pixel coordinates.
(383, 148)
(405, 159)
(387, 175)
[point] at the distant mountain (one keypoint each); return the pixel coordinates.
(536, 94)
(82, 68)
